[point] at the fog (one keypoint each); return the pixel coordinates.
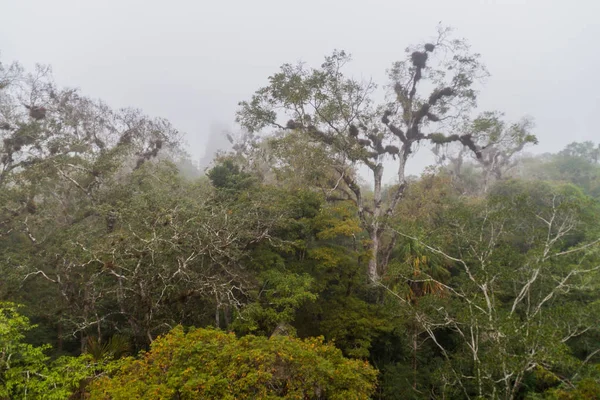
(193, 61)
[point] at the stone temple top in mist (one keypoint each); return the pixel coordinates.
(216, 141)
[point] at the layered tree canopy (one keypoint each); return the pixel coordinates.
(283, 271)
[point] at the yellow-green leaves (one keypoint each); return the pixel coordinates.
(211, 364)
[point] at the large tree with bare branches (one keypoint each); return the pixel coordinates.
(428, 96)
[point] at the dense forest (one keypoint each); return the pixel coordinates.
(291, 268)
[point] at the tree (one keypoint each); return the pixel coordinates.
(210, 364)
(61, 155)
(411, 266)
(338, 113)
(54, 135)
(500, 145)
(586, 150)
(575, 164)
(26, 372)
(20, 363)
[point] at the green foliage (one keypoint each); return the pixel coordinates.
(27, 372)
(523, 259)
(281, 294)
(116, 347)
(20, 363)
(587, 151)
(576, 164)
(210, 364)
(489, 270)
(227, 176)
(585, 389)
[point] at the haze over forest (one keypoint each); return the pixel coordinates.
(192, 62)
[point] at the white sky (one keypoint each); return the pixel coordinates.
(192, 61)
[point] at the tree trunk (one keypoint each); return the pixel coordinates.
(374, 229)
(415, 348)
(373, 273)
(59, 345)
(227, 316)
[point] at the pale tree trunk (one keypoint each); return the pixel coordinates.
(373, 273)
(377, 225)
(375, 229)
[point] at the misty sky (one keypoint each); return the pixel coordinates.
(192, 61)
